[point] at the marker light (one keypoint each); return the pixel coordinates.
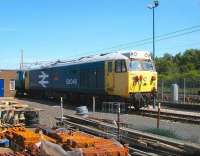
(145, 55)
(153, 78)
(136, 78)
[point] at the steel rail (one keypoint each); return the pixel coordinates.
(181, 105)
(185, 118)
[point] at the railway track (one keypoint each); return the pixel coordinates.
(185, 118)
(181, 105)
(141, 144)
(153, 114)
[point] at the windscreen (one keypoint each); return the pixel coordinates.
(141, 65)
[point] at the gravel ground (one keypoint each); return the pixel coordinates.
(51, 110)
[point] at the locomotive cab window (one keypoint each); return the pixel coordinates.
(109, 67)
(120, 66)
(141, 65)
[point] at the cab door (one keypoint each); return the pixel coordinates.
(121, 78)
(109, 76)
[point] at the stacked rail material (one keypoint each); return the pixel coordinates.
(25, 138)
(77, 139)
(1, 134)
(89, 145)
(105, 147)
(92, 146)
(136, 139)
(14, 113)
(15, 154)
(22, 139)
(12, 104)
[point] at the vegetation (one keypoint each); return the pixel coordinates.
(182, 65)
(163, 132)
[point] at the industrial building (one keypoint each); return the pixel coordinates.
(7, 83)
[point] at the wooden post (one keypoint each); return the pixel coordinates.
(93, 99)
(158, 117)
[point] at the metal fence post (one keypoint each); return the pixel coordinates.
(162, 87)
(61, 107)
(93, 100)
(184, 90)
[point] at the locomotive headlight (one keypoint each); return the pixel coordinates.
(145, 78)
(153, 78)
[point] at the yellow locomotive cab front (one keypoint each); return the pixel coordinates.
(132, 77)
(142, 81)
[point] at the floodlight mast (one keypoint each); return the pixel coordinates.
(153, 6)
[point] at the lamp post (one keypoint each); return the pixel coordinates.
(153, 6)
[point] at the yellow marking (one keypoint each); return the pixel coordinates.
(143, 85)
(122, 84)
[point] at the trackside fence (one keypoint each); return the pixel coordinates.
(179, 91)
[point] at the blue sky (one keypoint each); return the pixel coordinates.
(58, 29)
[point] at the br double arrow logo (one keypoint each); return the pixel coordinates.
(43, 80)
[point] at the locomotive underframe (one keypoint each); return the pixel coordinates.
(136, 100)
(139, 100)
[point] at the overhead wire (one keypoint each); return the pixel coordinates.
(170, 35)
(181, 45)
(165, 38)
(146, 40)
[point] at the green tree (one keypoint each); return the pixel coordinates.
(186, 64)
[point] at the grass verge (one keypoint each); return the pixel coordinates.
(163, 132)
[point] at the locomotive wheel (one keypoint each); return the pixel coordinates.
(137, 107)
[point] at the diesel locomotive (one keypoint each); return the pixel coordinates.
(122, 76)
